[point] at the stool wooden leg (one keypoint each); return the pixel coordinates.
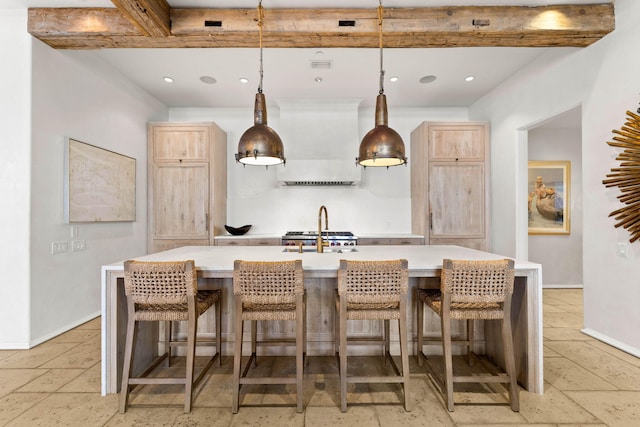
(191, 353)
(404, 354)
(343, 355)
(510, 364)
(254, 340)
(237, 356)
(167, 340)
(387, 341)
(470, 343)
(300, 342)
(129, 352)
(420, 327)
(448, 361)
(218, 309)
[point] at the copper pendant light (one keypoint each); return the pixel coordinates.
(381, 146)
(260, 145)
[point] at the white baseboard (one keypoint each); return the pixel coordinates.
(556, 286)
(612, 342)
(14, 346)
(64, 329)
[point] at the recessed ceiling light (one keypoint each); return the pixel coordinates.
(208, 80)
(244, 80)
(427, 79)
(394, 79)
(468, 78)
(168, 79)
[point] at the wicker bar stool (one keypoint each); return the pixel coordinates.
(268, 291)
(165, 291)
(373, 290)
(472, 290)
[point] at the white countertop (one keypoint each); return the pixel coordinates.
(217, 261)
(363, 235)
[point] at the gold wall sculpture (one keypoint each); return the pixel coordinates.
(627, 176)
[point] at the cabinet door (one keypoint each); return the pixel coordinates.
(171, 143)
(181, 201)
(457, 143)
(456, 200)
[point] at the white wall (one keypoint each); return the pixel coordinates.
(560, 255)
(604, 79)
(49, 95)
(15, 169)
(84, 100)
(381, 203)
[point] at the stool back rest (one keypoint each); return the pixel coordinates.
(160, 282)
(477, 281)
(373, 281)
(268, 282)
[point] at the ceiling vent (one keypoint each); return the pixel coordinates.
(321, 65)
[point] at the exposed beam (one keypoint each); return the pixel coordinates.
(473, 26)
(151, 17)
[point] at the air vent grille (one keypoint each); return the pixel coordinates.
(321, 65)
(319, 183)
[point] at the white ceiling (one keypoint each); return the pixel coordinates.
(288, 73)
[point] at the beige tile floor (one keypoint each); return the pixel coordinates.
(587, 383)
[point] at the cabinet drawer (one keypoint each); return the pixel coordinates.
(266, 241)
(232, 242)
(406, 241)
(372, 241)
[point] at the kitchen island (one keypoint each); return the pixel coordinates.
(215, 269)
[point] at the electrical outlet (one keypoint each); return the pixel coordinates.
(58, 247)
(78, 245)
(623, 249)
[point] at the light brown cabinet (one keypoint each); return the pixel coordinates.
(187, 184)
(450, 183)
(390, 241)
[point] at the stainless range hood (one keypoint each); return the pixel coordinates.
(319, 172)
(321, 142)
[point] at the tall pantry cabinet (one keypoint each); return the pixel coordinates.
(450, 183)
(187, 184)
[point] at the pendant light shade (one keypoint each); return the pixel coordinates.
(381, 146)
(260, 145)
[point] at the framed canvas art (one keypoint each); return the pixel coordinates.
(100, 185)
(549, 187)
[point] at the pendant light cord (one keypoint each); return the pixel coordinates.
(260, 19)
(380, 39)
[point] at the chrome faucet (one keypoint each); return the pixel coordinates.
(320, 243)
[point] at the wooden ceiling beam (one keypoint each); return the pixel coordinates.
(151, 17)
(472, 26)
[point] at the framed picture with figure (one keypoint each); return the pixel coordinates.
(549, 190)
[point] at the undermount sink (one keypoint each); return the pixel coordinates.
(340, 250)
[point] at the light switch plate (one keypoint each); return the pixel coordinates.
(78, 245)
(623, 249)
(58, 247)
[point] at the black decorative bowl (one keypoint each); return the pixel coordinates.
(237, 231)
